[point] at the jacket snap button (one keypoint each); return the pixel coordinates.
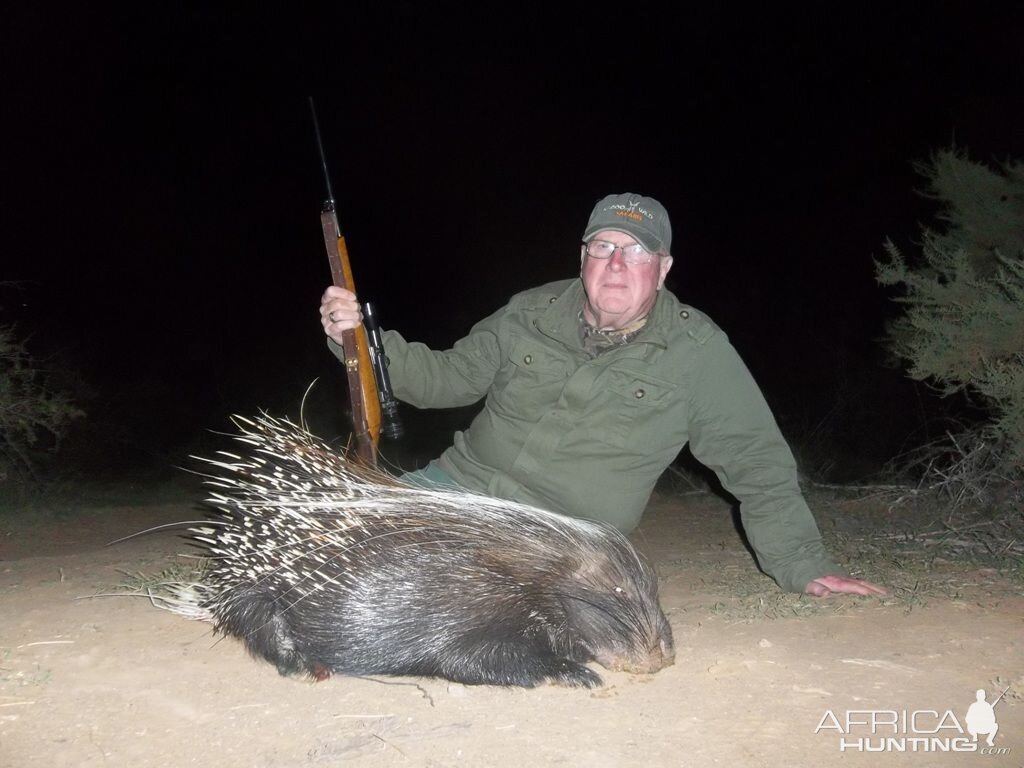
(528, 359)
(684, 314)
(639, 393)
(552, 300)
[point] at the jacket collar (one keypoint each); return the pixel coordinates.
(560, 320)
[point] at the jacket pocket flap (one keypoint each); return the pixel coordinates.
(639, 388)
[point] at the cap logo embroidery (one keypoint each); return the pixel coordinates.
(632, 211)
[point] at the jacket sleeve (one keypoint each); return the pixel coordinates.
(733, 432)
(428, 378)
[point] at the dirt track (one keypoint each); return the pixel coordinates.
(115, 682)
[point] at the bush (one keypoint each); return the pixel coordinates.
(962, 328)
(33, 416)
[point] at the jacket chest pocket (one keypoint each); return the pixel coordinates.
(531, 375)
(640, 411)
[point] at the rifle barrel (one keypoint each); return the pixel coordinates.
(323, 155)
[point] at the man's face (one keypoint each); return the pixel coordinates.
(619, 293)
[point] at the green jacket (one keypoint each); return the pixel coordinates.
(589, 436)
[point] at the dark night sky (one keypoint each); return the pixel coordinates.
(162, 189)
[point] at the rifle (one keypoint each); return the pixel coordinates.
(367, 380)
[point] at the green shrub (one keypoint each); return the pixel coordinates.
(962, 328)
(33, 416)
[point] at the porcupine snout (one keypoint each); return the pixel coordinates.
(643, 654)
(657, 654)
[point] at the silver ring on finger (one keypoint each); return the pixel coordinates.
(330, 316)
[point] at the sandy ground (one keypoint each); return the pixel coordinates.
(116, 682)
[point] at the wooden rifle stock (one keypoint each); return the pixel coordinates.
(362, 383)
(362, 378)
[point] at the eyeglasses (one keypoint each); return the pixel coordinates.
(631, 254)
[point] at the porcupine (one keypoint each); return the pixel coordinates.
(322, 565)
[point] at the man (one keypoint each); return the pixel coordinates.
(593, 385)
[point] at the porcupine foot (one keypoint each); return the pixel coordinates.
(319, 673)
(512, 664)
(573, 674)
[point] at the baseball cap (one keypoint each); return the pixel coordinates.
(642, 217)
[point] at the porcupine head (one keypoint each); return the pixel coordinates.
(623, 619)
(609, 596)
